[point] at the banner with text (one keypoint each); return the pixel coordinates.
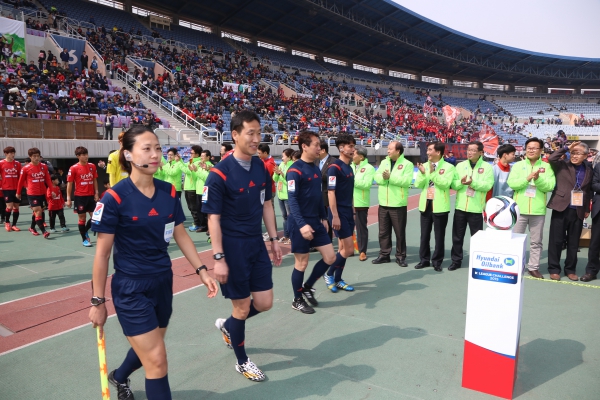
(75, 48)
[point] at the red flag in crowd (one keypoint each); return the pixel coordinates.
(428, 105)
(450, 113)
(489, 138)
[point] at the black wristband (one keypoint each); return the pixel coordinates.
(200, 268)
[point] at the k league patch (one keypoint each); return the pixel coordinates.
(442, 171)
(480, 170)
(262, 196)
(97, 215)
(292, 186)
(205, 194)
(362, 170)
(332, 181)
(400, 166)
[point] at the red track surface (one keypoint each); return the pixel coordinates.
(48, 314)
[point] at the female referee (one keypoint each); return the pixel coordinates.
(139, 216)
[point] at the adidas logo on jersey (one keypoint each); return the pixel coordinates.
(152, 213)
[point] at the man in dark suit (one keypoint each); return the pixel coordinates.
(570, 204)
(593, 265)
(325, 159)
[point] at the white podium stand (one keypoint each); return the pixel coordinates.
(496, 265)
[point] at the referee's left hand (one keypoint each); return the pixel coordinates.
(277, 257)
(210, 284)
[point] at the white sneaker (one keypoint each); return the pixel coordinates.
(220, 324)
(250, 371)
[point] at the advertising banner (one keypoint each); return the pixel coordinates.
(13, 35)
(75, 48)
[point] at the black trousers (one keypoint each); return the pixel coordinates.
(459, 227)
(202, 217)
(61, 218)
(392, 218)
(108, 132)
(593, 264)
(438, 222)
(190, 198)
(564, 223)
(362, 232)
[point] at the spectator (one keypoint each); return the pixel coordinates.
(64, 58)
(84, 60)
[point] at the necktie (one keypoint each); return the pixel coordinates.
(431, 182)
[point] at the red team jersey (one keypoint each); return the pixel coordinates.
(35, 178)
(83, 176)
(55, 198)
(9, 172)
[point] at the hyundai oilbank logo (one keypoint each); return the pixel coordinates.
(509, 261)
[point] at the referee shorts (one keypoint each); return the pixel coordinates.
(250, 268)
(142, 303)
(347, 223)
(303, 246)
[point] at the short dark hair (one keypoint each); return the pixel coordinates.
(128, 141)
(476, 143)
(296, 154)
(399, 147)
(172, 150)
(536, 140)
(207, 153)
(237, 122)
(305, 137)
(9, 149)
(228, 146)
(264, 148)
(55, 176)
(32, 151)
(505, 149)
(343, 140)
(438, 146)
(324, 145)
(197, 149)
(80, 150)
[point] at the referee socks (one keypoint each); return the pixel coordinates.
(130, 364)
(237, 331)
(158, 389)
(297, 281)
(318, 271)
(337, 267)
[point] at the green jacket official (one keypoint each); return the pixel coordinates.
(363, 180)
(483, 180)
(442, 178)
(517, 180)
(393, 192)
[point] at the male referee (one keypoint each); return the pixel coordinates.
(237, 195)
(307, 223)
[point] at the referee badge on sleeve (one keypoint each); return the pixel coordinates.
(332, 181)
(292, 186)
(262, 196)
(205, 194)
(97, 215)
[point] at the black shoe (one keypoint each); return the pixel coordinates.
(454, 267)
(300, 305)
(587, 278)
(123, 390)
(401, 262)
(309, 293)
(422, 265)
(438, 268)
(381, 260)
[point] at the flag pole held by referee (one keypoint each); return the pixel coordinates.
(102, 360)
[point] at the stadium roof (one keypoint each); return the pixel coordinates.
(383, 34)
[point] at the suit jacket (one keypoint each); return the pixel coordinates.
(596, 189)
(324, 178)
(566, 182)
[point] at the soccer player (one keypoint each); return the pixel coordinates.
(340, 183)
(473, 178)
(434, 179)
(532, 179)
(84, 176)
(10, 170)
(113, 168)
(142, 286)
(307, 221)
(363, 180)
(173, 169)
(236, 197)
(36, 178)
(56, 203)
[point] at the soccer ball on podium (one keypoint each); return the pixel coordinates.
(501, 213)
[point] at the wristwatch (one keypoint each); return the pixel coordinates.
(96, 301)
(272, 239)
(218, 256)
(200, 268)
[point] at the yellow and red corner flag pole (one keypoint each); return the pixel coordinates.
(103, 367)
(355, 243)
